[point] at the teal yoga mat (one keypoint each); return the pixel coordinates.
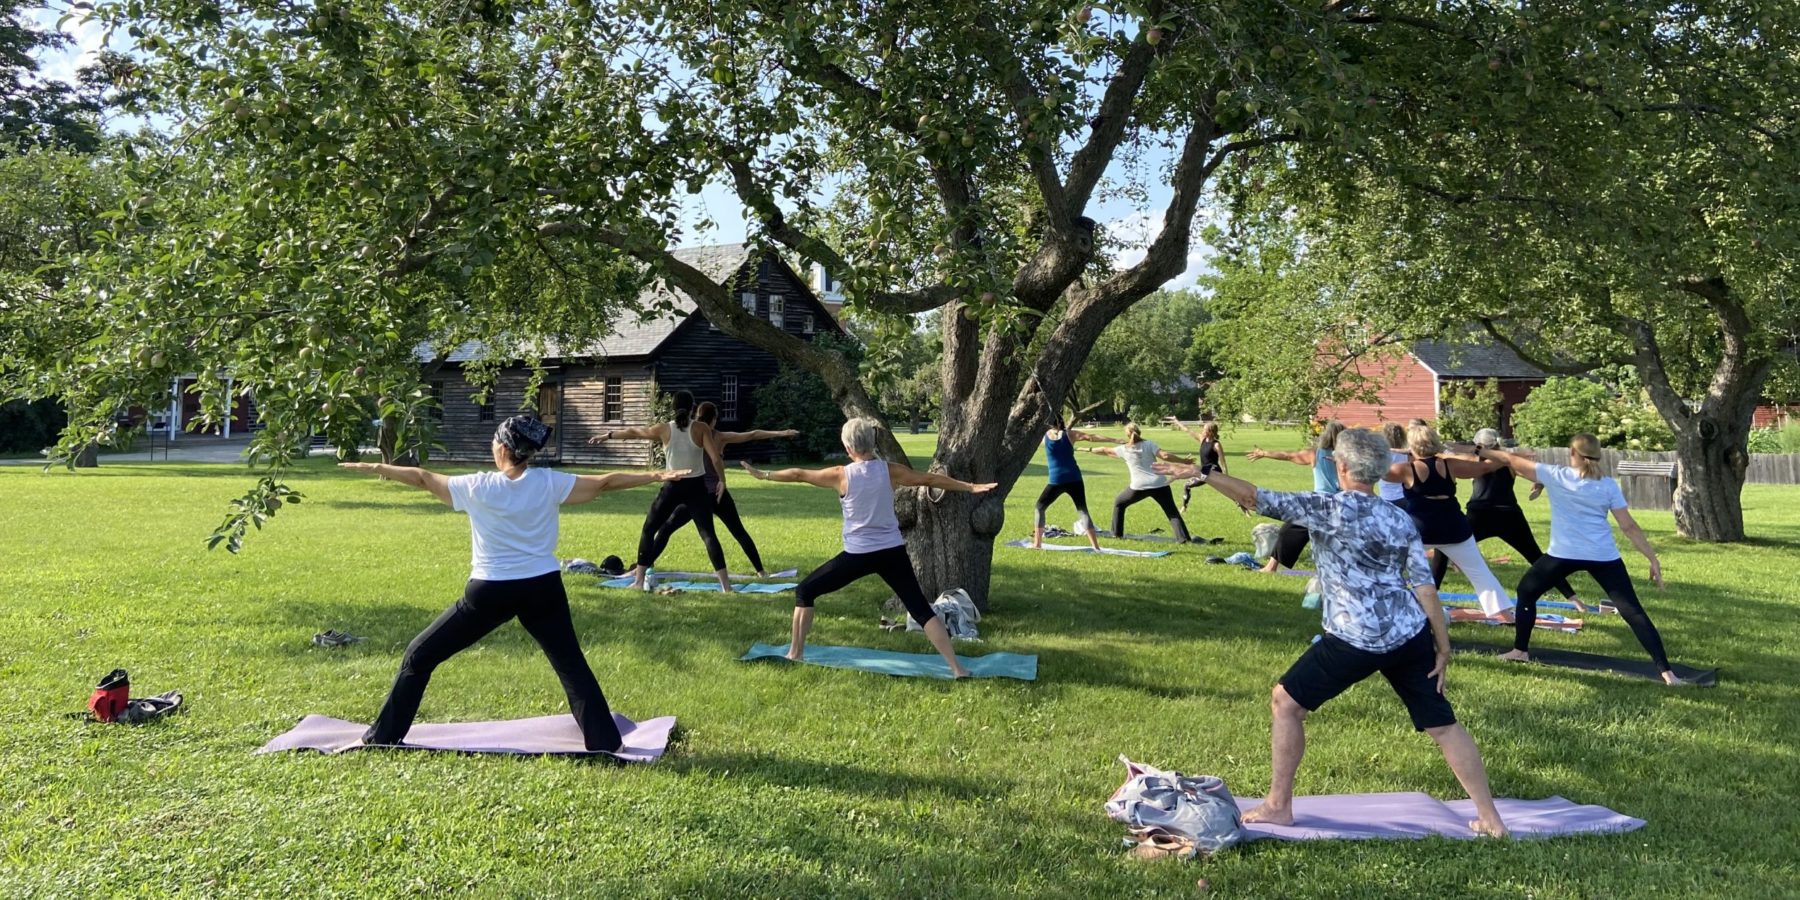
(906, 665)
(754, 587)
(1464, 598)
(1024, 544)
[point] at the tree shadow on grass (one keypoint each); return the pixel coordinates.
(767, 769)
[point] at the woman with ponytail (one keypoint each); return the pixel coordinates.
(686, 446)
(1581, 495)
(1065, 478)
(1139, 455)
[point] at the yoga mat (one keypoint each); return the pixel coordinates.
(1593, 662)
(1510, 601)
(1298, 573)
(541, 736)
(889, 662)
(784, 573)
(1546, 621)
(1024, 544)
(752, 587)
(1412, 815)
(1158, 538)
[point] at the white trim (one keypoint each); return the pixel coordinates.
(1437, 395)
(1423, 363)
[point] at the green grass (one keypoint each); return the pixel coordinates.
(801, 781)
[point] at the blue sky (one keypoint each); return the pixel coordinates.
(1130, 226)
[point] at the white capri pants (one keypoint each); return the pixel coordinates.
(1467, 558)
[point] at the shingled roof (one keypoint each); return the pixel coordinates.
(633, 338)
(1473, 358)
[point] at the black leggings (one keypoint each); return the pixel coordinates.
(685, 492)
(1076, 491)
(726, 510)
(1187, 488)
(1508, 524)
(1613, 579)
(891, 564)
(543, 609)
(1289, 542)
(1164, 498)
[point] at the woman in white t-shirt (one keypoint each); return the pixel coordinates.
(513, 573)
(1139, 455)
(1581, 540)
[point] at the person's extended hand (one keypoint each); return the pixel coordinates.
(1656, 572)
(1438, 669)
(982, 488)
(719, 493)
(1537, 490)
(789, 432)
(755, 472)
(1175, 470)
(673, 474)
(1256, 454)
(600, 438)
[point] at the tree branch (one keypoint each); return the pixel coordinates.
(1554, 368)
(1090, 162)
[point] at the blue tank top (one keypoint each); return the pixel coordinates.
(1325, 472)
(1060, 454)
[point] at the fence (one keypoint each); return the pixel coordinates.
(1765, 468)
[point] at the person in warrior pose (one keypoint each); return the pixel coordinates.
(1293, 538)
(685, 444)
(1581, 495)
(872, 541)
(1494, 512)
(1380, 614)
(723, 504)
(1139, 455)
(1065, 478)
(513, 573)
(1429, 480)
(1212, 456)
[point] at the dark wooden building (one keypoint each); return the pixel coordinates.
(589, 390)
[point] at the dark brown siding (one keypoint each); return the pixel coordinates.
(465, 435)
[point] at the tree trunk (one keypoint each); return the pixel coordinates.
(1710, 471)
(387, 438)
(88, 458)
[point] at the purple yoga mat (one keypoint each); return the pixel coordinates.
(544, 735)
(1413, 815)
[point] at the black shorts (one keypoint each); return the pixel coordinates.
(1332, 665)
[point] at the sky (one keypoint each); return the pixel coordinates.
(1129, 225)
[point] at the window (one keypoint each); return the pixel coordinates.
(436, 413)
(614, 408)
(749, 301)
(486, 413)
(728, 398)
(777, 311)
(826, 283)
(806, 324)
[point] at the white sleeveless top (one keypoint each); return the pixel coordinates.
(1393, 491)
(683, 453)
(868, 501)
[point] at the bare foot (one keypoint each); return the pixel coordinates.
(960, 673)
(1494, 829)
(1672, 680)
(796, 655)
(1516, 656)
(1267, 815)
(1037, 544)
(1273, 566)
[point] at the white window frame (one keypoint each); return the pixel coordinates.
(806, 324)
(777, 311)
(749, 300)
(608, 402)
(728, 398)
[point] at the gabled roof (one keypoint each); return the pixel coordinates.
(1473, 358)
(635, 338)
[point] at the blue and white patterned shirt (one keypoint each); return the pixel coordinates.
(1369, 555)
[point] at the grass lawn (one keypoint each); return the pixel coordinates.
(803, 781)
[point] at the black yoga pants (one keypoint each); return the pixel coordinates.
(1164, 498)
(1612, 578)
(845, 568)
(688, 492)
(543, 609)
(726, 510)
(1075, 490)
(1289, 542)
(1508, 524)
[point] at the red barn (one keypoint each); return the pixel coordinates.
(1412, 378)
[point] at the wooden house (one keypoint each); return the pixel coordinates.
(589, 390)
(1411, 384)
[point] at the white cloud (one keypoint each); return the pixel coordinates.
(85, 35)
(1128, 240)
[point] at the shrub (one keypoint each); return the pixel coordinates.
(1558, 410)
(1776, 439)
(798, 399)
(30, 426)
(1466, 408)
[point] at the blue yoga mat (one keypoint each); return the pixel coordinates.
(754, 587)
(912, 665)
(1105, 551)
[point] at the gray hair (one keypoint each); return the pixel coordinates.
(1364, 455)
(862, 436)
(1487, 437)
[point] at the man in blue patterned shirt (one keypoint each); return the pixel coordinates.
(1381, 614)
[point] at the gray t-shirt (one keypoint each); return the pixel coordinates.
(1369, 556)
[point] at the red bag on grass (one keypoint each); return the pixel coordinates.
(110, 697)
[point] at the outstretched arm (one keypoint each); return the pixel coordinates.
(587, 487)
(1101, 451)
(1635, 533)
(906, 476)
(740, 437)
(1091, 438)
(1520, 465)
(1298, 457)
(1239, 491)
(832, 478)
(1166, 456)
(424, 479)
(630, 433)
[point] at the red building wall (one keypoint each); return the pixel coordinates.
(1407, 390)
(1766, 415)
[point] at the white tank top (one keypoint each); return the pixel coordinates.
(868, 501)
(683, 453)
(1393, 491)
